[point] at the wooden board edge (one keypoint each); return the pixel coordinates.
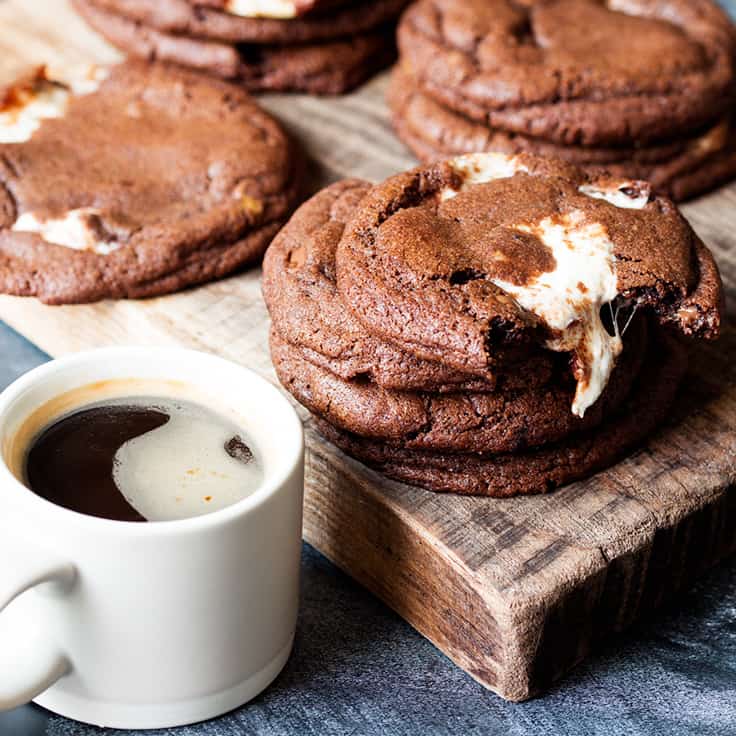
(515, 648)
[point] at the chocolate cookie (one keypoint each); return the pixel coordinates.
(680, 169)
(194, 19)
(578, 72)
(327, 67)
(454, 260)
(506, 420)
(461, 264)
(113, 184)
(307, 312)
(542, 469)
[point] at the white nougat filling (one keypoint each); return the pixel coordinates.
(20, 123)
(621, 194)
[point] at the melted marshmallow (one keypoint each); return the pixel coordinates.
(626, 195)
(181, 469)
(584, 257)
(81, 80)
(480, 168)
(47, 97)
(74, 230)
(570, 297)
(261, 8)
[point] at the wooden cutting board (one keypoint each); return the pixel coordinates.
(514, 591)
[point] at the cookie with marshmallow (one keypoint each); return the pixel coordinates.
(323, 48)
(642, 89)
(456, 259)
(112, 184)
(680, 168)
(257, 21)
(308, 314)
(459, 265)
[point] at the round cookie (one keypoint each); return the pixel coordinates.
(578, 72)
(113, 185)
(307, 312)
(680, 169)
(537, 470)
(328, 67)
(484, 423)
(193, 19)
(444, 130)
(454, 260)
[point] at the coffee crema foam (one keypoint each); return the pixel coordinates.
(135, 450)
(183, 468)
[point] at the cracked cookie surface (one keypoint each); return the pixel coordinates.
(436, 259)
(584, 72)
(124, 191)
(680, 169)
(299, 286)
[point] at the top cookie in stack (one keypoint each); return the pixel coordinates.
(315, 46)
(642, 88)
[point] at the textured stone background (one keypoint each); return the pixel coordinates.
(357, 668)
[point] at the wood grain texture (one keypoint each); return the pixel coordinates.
(514, 591)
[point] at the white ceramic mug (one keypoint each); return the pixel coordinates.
(148, 625)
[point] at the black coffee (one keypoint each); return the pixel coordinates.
(142, 459)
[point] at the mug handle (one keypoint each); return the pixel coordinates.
(28, 668)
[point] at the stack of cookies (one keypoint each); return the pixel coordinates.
(113, 184)
(490, 324)
(641, 88)
(315, 46)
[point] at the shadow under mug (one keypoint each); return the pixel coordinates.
(150, 625)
